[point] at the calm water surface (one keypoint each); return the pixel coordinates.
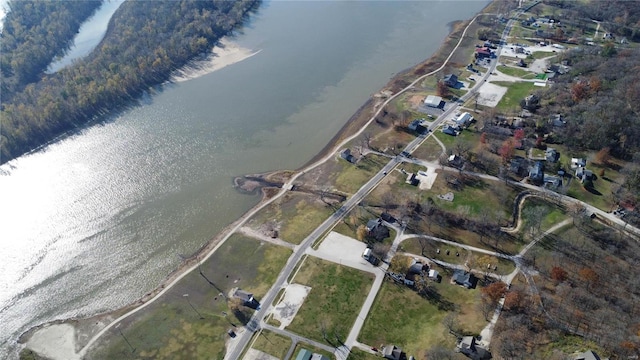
(98, 219)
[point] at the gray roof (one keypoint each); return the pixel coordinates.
(373, 223)
(304, 354)
(587, 355)
(243, 295)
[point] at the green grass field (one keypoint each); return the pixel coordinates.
(351, 178)
(401, 317)
(172, 328)
(517, 72)
(357, 354)
(429, 150)
(541, 54)
(272, 344)
(517, 91)
(337, 293)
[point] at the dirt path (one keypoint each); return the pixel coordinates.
(245, 230)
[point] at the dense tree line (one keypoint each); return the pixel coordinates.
(34, 33)
(600, 98)
(618, 16)
(145, 42)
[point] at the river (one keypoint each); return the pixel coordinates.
(99, 218)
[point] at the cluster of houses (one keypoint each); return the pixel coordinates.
(536, 172)
(458, 123)
(414, 273)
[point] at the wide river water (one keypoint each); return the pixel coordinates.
(96, 220)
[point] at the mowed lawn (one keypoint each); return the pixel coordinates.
(336, 296)
(401, 317)
(188, 321)
(517, 91)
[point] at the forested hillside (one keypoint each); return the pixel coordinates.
(34, 33)
(145, 42)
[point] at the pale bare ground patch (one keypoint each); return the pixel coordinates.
(291, 302)
(491, 94)
(224, 54)
(342, 247)
(55, 341)
(427, 178)
(253, 354)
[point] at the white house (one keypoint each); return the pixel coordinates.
(463, 119)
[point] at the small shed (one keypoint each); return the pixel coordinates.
(434, 275)
(412, 179)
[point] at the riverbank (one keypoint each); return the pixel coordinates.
(354, 124)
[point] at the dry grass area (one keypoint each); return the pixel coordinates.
(189, 320)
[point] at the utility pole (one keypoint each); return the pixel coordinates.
(125, 338)
(186, 296)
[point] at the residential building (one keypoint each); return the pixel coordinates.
(587, 355)
(391, 352)
(463, 119)
(536, 173)
(578, 162)
(346, 154)
(468, 346)
(451, 80)
(465, 279)
(247, 298)
(552, 155)
(483, 53)
(449, 130)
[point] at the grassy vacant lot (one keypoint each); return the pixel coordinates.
(598, 195)
(172, 328)
(468, 136)
(430, 150)
(517, 91)
(352, 177)
(517, 72)
(272, 344)
(298, 215)
(541, 55)
(357, 354)
(401, 317)
(337, 293)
